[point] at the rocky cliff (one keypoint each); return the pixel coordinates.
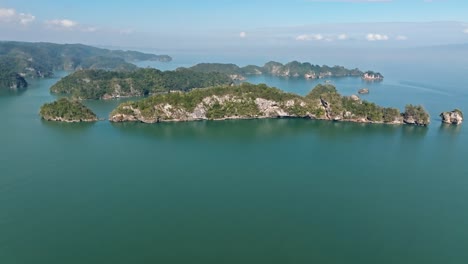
(372, 76)
(249, 101)
(416, 115)
(13, 81)
(454, 117)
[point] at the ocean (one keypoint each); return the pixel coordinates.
(241, 191)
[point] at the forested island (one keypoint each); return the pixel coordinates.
(248, 101)
(101, 84)
(20, 60)
(291, 69)
(65, 110)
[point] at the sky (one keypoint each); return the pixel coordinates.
(237, 25)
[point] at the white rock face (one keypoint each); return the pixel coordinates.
(270, 108)
(455, 117)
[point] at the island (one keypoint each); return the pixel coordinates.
(416, 115)
(363, 91)
(372, 76)
(249, 101)
(291, 69)
(454, 117)
(20, 60)
(65, 110)
(101, 84)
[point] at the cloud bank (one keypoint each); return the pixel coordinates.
(9, 15)
(376, 37)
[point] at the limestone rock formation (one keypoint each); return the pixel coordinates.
(454, 117)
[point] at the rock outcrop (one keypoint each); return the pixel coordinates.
(416, 115)
(248, 101)
(363, 91)
(454, 117)
(13, 81)
(372, 76)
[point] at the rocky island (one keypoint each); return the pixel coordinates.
(291, 69)
(69, 111)
(101, 84)
(363, 91)
(372, 76)
(416, 115)
(454, 117)
(248, 101)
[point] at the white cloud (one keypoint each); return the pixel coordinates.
(9, 15)
(242, 34)
(465, 31)
(376, 37)
(61, 23)
(401, 37)
(308, 37)
(321, 37)
(6, 14)
(342, 37)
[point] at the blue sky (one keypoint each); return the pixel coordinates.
(224, 23)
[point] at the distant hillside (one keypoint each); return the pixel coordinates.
(100, 84)
(38, 60)
(291, 69)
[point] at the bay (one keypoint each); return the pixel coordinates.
(253, 191)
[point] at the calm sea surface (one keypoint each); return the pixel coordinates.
(257, 191)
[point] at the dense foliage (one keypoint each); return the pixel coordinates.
(96, 84)
(357, 108)
(66, 110)
(294, 69)
(242, 103)
(245, 93)
(8, 78)
(417, 113)
(41, 59)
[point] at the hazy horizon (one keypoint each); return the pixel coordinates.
(241, 26)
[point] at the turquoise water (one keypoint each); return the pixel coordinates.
(255, 191)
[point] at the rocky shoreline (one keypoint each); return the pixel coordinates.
(67, 111)
(231, 106)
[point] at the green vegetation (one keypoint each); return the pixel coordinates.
(38, 60)
(357, 108)
(416, 114)
(65, 110)
(323, 102)
(10, 79)
(97, 84)
(243, 105)
(291, 69)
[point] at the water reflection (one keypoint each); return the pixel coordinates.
(11, 92)
(257, 129)
(414, 132)
(448, 129)
(68, 128)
